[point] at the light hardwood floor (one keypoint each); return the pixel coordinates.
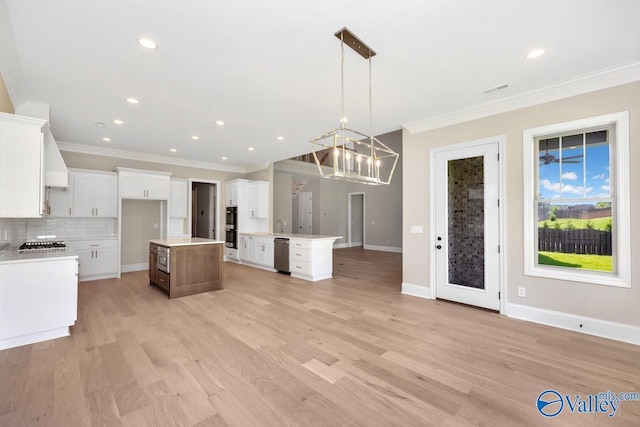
(270, 350)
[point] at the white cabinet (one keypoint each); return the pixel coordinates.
(93, 194)
(232, 193)
(256, 250)
(21, 167)
(140, 184)
(311, 259)
(97, 259)
(178, 198)
(258, 203)
(60, 202)
(38, 300)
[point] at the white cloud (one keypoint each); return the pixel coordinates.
(566, 188)
(570, 176)
(601, 176)
(605, 187)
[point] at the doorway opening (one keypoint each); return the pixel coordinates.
(305, 208)
(356, 222)
(204, 207)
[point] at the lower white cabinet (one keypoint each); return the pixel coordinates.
(256, 250)
(311, 259)
(97, 259)
(38, 300)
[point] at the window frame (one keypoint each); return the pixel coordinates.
(619, 142)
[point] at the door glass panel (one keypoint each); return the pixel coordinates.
(465, 195)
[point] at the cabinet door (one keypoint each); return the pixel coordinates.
(243, 248)
(105, 195)
(158, 187)
(132, 186)
(252, 206)
(21, 169)
(85, 262)
(153, 267)
(105, 261)
(232, 194)
(178, 199)
(82, 194)
(263, 200)
(252, 248)
(268, 255)
(60, 202)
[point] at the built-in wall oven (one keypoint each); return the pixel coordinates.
(231, 227)
(164, 259)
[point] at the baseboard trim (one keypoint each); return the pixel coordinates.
(383, 248)
(416, 291)
(600, 328)
(34, 338)
(128, 268)
(341, 245)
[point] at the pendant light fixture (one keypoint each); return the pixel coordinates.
(346, 154)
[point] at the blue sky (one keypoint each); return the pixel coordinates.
(567, 180)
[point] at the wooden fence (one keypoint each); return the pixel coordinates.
(582, 241)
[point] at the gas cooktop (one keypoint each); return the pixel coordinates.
(41, 246)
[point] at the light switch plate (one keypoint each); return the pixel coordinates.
(416, 229)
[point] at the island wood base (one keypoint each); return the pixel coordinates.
(194, 269)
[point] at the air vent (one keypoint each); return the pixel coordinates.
(493, 89)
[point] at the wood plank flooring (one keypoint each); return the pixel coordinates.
(271, 350)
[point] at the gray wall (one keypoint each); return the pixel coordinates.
(383, 204)
(138, 220)
(282, 201)
(596, 301)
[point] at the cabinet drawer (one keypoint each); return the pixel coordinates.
(297, 254)
(92, 244)
(231, 253)
(164, 281)
(300, 267)
(153, 248)
(302, 244)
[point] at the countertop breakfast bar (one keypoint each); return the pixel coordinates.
(186, 266)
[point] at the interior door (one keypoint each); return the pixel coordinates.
(467, 225)
(305, 204)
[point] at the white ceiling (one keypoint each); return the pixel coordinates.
(270, 68)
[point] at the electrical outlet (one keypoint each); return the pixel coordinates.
(522, 292)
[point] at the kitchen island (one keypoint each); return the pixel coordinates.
(38, 296)
(310, 255)
(186, 265)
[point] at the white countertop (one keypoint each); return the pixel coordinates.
(184, 241)
(291, 235)
(11, 256)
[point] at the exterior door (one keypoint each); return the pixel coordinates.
(305, 206)
(467, 224)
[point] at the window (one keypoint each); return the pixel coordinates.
(577, 200)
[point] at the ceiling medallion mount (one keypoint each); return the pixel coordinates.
(349, 155)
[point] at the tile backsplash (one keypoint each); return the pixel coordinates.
(16, 230)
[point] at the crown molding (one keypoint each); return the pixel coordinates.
(564, 89)
(256, 167)
(122, 154)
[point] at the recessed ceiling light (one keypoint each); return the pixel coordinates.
(535, 53)
(251, 148)
(173, 150)
(118, 122)
(132, 100)
(220, 123)
(224, 158)
(281, 138)
(147, 43)
(105, 139)
(195, 137)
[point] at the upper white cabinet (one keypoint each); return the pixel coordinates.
(21, 167)
(90, 194)
(142, 184)
(232, 192)
(258, 203)
(178, 198)
(94, 194)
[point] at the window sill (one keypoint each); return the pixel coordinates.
(583, 276)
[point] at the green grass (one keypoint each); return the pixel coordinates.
(584, 262)
(598, 223)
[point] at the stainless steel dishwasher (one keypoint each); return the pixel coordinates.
(281, 254)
